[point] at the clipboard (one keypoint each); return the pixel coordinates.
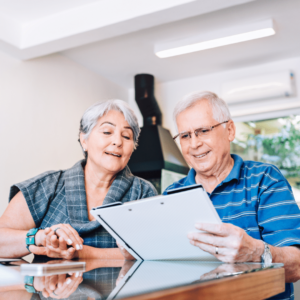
(156, 228)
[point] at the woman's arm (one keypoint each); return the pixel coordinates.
(13, 294)
(99, 253)
(58, 248)
(88, 252)
(14, 224)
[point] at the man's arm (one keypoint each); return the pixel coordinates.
(233, 245)
(290, 257)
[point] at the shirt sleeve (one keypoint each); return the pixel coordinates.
(38, 192)
(278, 213)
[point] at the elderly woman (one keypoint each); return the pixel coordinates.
(50, 213)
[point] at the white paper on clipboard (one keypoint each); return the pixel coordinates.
(156, 228)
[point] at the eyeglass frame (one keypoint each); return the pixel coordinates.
(196, 134)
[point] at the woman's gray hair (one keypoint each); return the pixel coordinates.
(219, 107)
(99, 109)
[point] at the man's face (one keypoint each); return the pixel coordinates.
(206, 154)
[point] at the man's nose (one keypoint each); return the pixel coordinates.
(195, 142)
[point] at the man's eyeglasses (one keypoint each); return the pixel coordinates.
(187, 135)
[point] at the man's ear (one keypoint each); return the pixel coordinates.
(231, 130)
(82, 141)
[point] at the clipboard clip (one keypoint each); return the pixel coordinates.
(184, 189)
(109, 205)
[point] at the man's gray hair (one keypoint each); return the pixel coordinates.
(99, 109)
(219, 107)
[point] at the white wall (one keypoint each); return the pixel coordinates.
(169, 93)
(42, 101)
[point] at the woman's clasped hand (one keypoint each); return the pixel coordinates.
(58, 241)
(58, 286)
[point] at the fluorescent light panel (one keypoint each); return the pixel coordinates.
(216, 39)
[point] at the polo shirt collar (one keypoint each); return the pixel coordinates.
(234, 173)
(190, 179)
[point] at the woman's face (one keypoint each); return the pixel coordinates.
(110, 143)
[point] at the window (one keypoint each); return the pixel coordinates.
(274, 141)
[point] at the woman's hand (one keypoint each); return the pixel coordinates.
(60, 252)
(55, 243)
(58, 286)
(58, 247)
(61, 230)
(125, 253)
(69, 234)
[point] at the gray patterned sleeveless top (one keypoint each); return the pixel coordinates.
(57, 197)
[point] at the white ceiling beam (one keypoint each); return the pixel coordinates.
(28, 36)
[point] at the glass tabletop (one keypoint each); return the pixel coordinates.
(109, 279)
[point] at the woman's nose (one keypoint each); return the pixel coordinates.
(117, 140)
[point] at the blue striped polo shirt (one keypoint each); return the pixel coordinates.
(256, 197)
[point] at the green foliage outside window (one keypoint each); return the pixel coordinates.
(281, 149)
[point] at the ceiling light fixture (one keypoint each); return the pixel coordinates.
(215, 39)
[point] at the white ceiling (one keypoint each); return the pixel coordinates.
(31, 10)
(120, 58)
(33, 28)
(116, 38)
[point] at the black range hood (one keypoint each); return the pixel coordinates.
(156, 149)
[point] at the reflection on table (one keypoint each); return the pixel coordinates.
(109, 279)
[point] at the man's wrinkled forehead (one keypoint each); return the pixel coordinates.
(198, 115)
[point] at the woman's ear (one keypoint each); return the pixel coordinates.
(83, 141)
(231, 131)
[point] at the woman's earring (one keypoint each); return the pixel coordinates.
(84, 150)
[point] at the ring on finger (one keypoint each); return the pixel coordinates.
(54, 294)
(56, 229)
(217, 250)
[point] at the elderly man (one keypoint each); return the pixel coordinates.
(261, 219)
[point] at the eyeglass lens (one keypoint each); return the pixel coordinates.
(198, 132)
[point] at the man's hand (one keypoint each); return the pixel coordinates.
(228, 270)
(232, 243)
(125, 253)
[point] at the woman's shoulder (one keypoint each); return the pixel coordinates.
(146, 187)
(46, 181)
(46, 176)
